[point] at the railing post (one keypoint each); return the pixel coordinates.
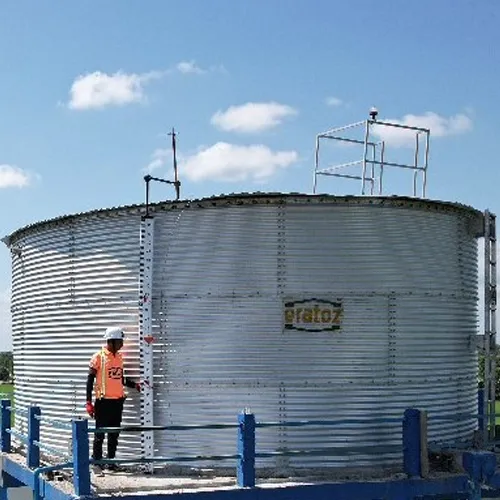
(6, 446)
(33, 454)
(481, 466)
(415, 454)
(246, 450)
(480, 409)
(81, 462)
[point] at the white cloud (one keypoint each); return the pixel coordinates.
(189, 67)
(252, 116)
(439, 126)
(12, 176)
(192, 68)
(230, 162)
(158, 159)
(334, 101)
(98, 90)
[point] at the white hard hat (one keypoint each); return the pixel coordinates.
(114, 332)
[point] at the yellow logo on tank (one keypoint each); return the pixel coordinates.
(313, 315)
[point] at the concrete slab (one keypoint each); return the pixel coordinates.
(176, 480)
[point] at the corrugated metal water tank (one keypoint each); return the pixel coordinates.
(297, 307)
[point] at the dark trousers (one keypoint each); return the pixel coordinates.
(108, 413)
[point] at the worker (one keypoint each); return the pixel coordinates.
(106, 370)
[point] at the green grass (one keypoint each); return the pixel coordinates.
(6, 390)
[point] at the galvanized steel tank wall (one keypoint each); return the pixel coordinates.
(71, 279)
(405, 272)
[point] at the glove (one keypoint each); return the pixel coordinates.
(89, 407)
(140, 385)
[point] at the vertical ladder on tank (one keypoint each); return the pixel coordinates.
(146, 335)
(490, 306)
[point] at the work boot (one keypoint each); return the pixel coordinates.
(114, 468)
(98, 470)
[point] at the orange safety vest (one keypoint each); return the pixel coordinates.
(109, 374)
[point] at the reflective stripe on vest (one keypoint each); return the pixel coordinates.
(103, 374)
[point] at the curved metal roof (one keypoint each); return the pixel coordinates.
(257, 198)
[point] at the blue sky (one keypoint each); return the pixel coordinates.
(88, 88)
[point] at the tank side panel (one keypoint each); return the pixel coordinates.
(424, 267)
(215, 307)
(69, 283)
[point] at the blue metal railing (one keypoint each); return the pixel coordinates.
(414, 441)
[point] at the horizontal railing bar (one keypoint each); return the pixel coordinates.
(52, 422)
(346, 139)
(138, 428)
(344, 176)
(335, 451)
(295, 423)
(393, 164)
(457, 416)
(164, 459)
(17, 411)
(340, 129)
(343, 165)
(398, 125)
(18, 435)
(321, 451)
(48, 448)
(437, 447)
(349, 421)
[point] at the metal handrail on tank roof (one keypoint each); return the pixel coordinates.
(374, 155)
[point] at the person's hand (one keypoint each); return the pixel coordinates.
(140, 385)
(89, 407)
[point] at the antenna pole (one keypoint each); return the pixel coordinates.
(177, 184)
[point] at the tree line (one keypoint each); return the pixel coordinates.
(6, 366)
(497, 374)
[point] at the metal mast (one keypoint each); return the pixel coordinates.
(176, 182)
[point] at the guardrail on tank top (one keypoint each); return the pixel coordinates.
(413, 448)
